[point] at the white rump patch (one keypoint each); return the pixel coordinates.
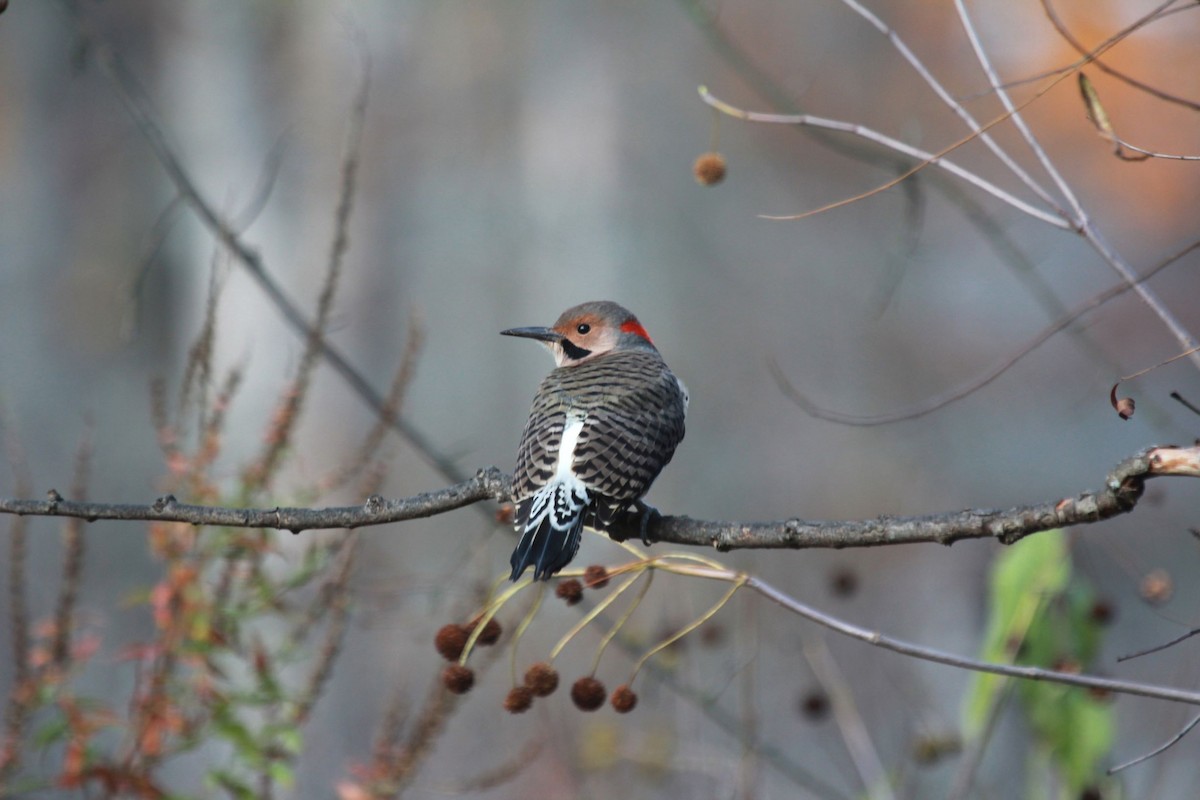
(563, 470)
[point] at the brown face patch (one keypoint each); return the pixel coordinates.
(570, 328)
(598, 336)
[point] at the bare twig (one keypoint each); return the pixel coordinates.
(287, 416)
(197, 374)
(1145, 757)
(924, 156)
(854, 731)
(155, 239)
(64, 615)
(673, 564)
(337, 597)
(946, 398)
(1081, 219)
(1156, 648)
(972, 757)
(1077, 217)
(498, 775)
(977, 130)
(1177, 397)
(1175, 357)
(981, 131)
(1122, 489)
(386, 418)
(1067, 36)
(940, 657)
(16, 713)
(486, 485)
(139, 108)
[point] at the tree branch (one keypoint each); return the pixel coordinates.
(1122, 489)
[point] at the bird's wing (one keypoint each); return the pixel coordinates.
(631, 435)
(538, 451)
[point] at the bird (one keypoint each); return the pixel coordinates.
(603, 424)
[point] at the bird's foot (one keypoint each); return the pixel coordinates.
(648, 513)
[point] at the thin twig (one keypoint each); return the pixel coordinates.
(1184, 732)
(1177, 397)
(64, 615)
(338, 598)
(1085, 226)
(139, 108)
(16, 714)
(941, 657)
(877, 639)
(944, 399)
(857, 738)
(197, 374)
(288, 415)
(386, 418)
(155, 239)
(1159, 647)
(923, 156)
(1175, 357)
(977, 130)
(496, 776)
(972, 757)
(777, 755)
(1067, 36)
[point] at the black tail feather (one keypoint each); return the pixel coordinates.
(547, 548)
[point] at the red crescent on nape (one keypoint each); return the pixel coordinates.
(633, 326)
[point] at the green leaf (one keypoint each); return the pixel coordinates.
(289, 738)
(1041, 615)
(229, 727)
(1075, 730)
(1023, 576)
(55, 730)
(281, 773)
(232, 784)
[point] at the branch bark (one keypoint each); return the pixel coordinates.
(1121, 491)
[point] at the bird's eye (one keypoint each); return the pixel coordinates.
(582, 328)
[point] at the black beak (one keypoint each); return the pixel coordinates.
(541, 334)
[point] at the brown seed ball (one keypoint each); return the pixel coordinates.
(541, 679)
(519, 700)
(623, 699)
(843, 582)
(814, 705)
(490, 633)
(709, 169)
(712, 634)
(588, 694)
(458, 679)
(928, 750)
(506, 513)
(1156, 587)
(570, 590)
(1102, 612)
(595, 577)
(1068, 665)
(450, 641)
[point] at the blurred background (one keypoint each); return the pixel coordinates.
(518, 158)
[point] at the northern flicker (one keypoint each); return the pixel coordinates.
(603, 425)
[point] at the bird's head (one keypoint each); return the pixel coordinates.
(589, 330)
